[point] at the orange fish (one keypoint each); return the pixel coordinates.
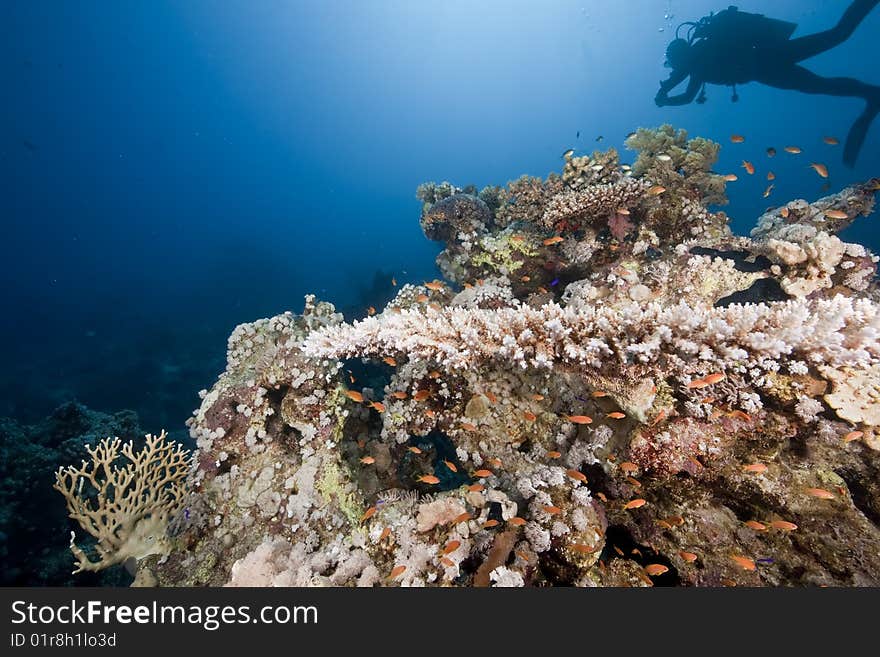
(676, 520)
(831, 141)
(599, 393)
(654, 569)
(394, 281)
(516, 521)
(740, 415)
(836, 214)
(399, 394)
(853, 435)
(390, 361)
(771, 175)
(385, 534)
(537, 397)
(821, 169)
(476, 488)
(371, 310)
(351, 377)
(577, 474)
(490, 523)
(583, 549)
(368, 460)
(660, 417)
(464, 517)
(623, 211)
(369, 513)
(697, 383)
(656, 190)
(737, 139)
(379, 406)
(743, 562)
(525, 279)
(494, 461)
(784, 525)
(467, 426)
(483, 473)
(635, 482)
(602, 497)
(422, 395)
(517, 238)
(757, 526)
(552, 510)
(635, 504)
(451, 547)
(756, 468)
(414, 450)
(422, 298)
(617, 415)
(749, 167)
(450, 465)
(354, 395)
(433, 374)
(690, 557)
(730, 177)
(434, 285)
(542, 290)
(430, 413)
(663, 524)
(553, 454)
(550, 241)
(428, 479)
(491, 397)
(821, 493)
(397, 571)
(628, 466)
(522, 555)
(712, 379)
(529, 416)
(794, 150)
(579, 419)
(446, 561)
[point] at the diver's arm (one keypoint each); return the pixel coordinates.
(681, 99)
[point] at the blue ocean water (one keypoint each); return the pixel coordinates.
(172, 169)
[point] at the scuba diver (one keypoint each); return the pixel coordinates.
(734, 47)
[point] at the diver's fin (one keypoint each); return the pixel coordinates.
(858, 132)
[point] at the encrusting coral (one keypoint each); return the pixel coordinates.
(609, 388)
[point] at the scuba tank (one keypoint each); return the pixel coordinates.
(733, 25)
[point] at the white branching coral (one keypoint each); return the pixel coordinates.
(125, 508)
(838, 331)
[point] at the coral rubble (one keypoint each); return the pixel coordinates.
(610, 388)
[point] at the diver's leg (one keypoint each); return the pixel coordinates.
(857, 134)
(805, 47)
(801, 79)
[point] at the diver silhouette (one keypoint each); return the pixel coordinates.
(734, 47)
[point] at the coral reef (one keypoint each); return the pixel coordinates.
(608, 389)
